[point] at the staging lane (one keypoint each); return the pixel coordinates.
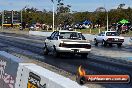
(39, 45)
(122, 53)
(96, 51)
(70, 63)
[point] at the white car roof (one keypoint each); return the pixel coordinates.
(68, 31)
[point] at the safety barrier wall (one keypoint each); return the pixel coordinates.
(87, 36)
(40, 33)
(16, 73)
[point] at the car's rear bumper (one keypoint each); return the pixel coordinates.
(115, 42)
(73, 50)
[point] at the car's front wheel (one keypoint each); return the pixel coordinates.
(95, 42)
(45, 50)
(119, 45)
(55, 53)
(104, 43)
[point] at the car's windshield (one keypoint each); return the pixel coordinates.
(111, 34)
(71, 35)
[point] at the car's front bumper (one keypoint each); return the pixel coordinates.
(73, 50)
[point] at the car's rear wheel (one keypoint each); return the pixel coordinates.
(55, 53)
(95, 42)
(104, 43)
(119, 45)
(45, 50)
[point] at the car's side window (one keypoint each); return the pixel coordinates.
(103, 34)
(56, 36)
(52, 35)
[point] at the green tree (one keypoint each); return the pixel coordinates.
(63, 15)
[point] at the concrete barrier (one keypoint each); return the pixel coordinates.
(16, 73)
(33, 75)
(87, 36)
(40, 33)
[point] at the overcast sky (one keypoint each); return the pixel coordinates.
(76, 5)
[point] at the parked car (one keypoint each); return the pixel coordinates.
(124, 28)
(79, 26)
(130, 27)
(68, 27)
(32, 27)
(109, 37)
(64, 41)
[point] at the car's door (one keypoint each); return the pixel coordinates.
(102, 36)
(49, 42)
(54, 40)
(98, 38)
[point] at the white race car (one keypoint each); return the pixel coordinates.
(63, 42)
(109, 37)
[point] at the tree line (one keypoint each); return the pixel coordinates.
(64, 15)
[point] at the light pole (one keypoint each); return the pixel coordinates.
(21, 18)
(12, 16)
(53, 14)
(12, 12)
(107, 21)
(2, 19)
(107, 18)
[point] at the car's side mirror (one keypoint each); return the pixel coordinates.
(61, 37)
(57, 35)
(49, 37)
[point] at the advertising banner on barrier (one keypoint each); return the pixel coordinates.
(8, 72)
(16, 73)
(33, 76)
